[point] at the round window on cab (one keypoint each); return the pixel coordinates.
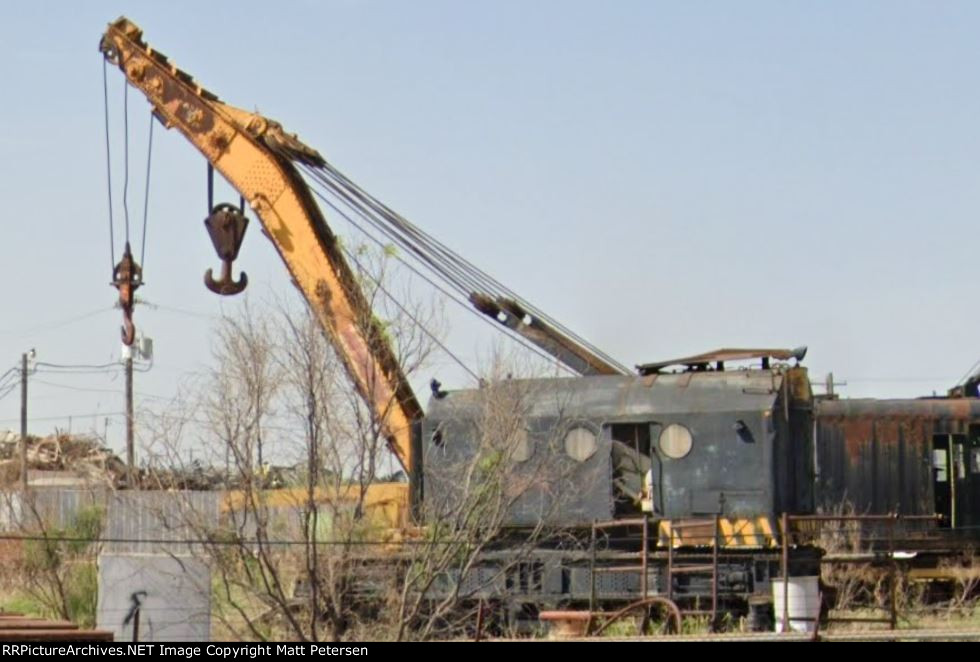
(675, 441)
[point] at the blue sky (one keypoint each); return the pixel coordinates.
(665, 178)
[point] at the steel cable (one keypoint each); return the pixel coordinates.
(108, 164)
(448, 265)
(463, 303)
(146, 192)
(488, 281)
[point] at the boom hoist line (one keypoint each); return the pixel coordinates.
(482, 291)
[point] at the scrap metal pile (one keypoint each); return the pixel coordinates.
(64, 459)
(84, 457)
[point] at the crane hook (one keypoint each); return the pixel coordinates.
(226, 225)
(127, 276)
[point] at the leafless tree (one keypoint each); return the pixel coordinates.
(327, 551)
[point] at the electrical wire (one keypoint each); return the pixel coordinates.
(4, 392)
(179, 311)
(87, 389)
(83, 369)
(10, 372)
(56, 324)
(112, 414)
(79, 366)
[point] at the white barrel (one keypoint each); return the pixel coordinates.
(803, 598)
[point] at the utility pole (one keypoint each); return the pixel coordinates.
(23, 421)
(130, 442)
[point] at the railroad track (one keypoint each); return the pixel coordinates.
(932, 634)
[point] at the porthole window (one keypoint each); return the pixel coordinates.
(580, 443)
(676, 441)
(520, 446)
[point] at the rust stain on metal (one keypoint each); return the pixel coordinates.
(857, 433)
(887, 430)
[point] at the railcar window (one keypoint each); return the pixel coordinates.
(676, 441)
(520, 446)
(939, 464)
(580, 443)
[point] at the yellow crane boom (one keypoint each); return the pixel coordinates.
(256, 156)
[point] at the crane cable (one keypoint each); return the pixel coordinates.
(460, 299)
(969, 373)
(146, 192)
(126, 157)
(462, 288)
(458, 273)
(108, 165)
(438, 257)
(398, 304)
(462, 302)
(108, 160)
(473, 277)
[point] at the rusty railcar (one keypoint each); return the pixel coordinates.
(910, 457)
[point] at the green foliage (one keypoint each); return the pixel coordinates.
(61, 566)
(61, 545)
(82, 593)
(22, 603)
(490, 463)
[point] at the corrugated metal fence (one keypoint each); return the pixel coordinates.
(134, 522)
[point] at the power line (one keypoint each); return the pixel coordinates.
(97, 390)
(67, 416)
(12, 372)
(49, 326)
(897, 380)
(83, 369)
(4, 392)
(79, 366)
(180, 311)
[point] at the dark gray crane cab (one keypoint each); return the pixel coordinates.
(700, 441)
